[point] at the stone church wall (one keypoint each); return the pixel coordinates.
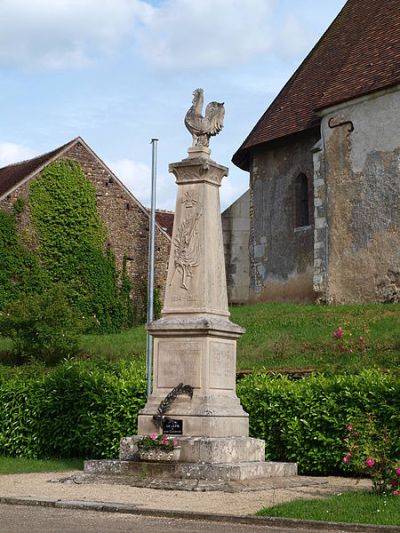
(357, 201)
(281, 250)
(236, 233)
(125, 219)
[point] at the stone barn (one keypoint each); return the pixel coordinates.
(324, 163)
(124, 217)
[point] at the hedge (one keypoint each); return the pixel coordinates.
(306, 420)
(82, 409)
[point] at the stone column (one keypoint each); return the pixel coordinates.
(194, 341)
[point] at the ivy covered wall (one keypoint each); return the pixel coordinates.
(71, 248)
(90, 230)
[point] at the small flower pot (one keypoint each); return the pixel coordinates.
(157, 455)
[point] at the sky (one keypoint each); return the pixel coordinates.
(121, 72)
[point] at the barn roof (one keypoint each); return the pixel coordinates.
(14, 175)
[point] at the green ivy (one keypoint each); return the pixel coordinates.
(20, 271)
(72, 244)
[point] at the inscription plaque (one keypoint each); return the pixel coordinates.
(222, 365)
(178, 362)
(172, 427)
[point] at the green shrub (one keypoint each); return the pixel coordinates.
(305, 421)
(80, 409)
(42, 326)
(83, 408)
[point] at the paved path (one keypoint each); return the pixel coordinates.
(243, 503)
(21, 519)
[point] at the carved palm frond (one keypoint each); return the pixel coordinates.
(166, 404)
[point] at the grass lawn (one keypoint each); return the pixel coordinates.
(352, 507)
(282, 336)
(20, 465)
(298, 336)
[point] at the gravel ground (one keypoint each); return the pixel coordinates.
(239, 503)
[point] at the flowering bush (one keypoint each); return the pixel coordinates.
(347, 342)
(369, 450)
(162, 442)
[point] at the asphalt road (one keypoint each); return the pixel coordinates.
(24, 519)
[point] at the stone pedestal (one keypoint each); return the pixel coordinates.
(194, 341)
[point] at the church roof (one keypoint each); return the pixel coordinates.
(357, 55)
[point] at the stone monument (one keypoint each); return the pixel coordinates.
(194, 341)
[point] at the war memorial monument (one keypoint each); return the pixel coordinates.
(194, 371)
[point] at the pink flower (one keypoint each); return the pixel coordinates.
(350, 427)
(175, 442)
(153, 436)
(369, 462)
(398, 471)
(394, 483)
(345, 459)
(361, 338)
(351, 351)
(339, 333)
(396, 493)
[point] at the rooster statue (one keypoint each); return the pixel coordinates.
(202, 128)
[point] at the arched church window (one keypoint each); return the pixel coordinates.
(301, 203)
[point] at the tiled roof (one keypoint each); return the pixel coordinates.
(357, 55)
(12, 175)
(165, 219)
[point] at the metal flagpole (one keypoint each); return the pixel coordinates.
(150, 285)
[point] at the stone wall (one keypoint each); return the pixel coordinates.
(125, 218)
(281, 252)
(357, 185)
(236, 233)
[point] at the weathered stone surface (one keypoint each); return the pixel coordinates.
(359, 192)
(205, 450)
(281, 252)
(141, 471)
(236, 234)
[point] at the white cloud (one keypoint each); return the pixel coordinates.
(59, 33)
(207, 33)
(136, 176)
(173, 34)
(13, 153)
(186, 34)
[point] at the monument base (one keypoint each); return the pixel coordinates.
(204, 464)
(141, 471)
(205, 449)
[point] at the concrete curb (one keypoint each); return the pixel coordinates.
(127, 508)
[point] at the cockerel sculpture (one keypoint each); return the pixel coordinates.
(202, 128)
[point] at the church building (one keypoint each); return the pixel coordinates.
(323, 209)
